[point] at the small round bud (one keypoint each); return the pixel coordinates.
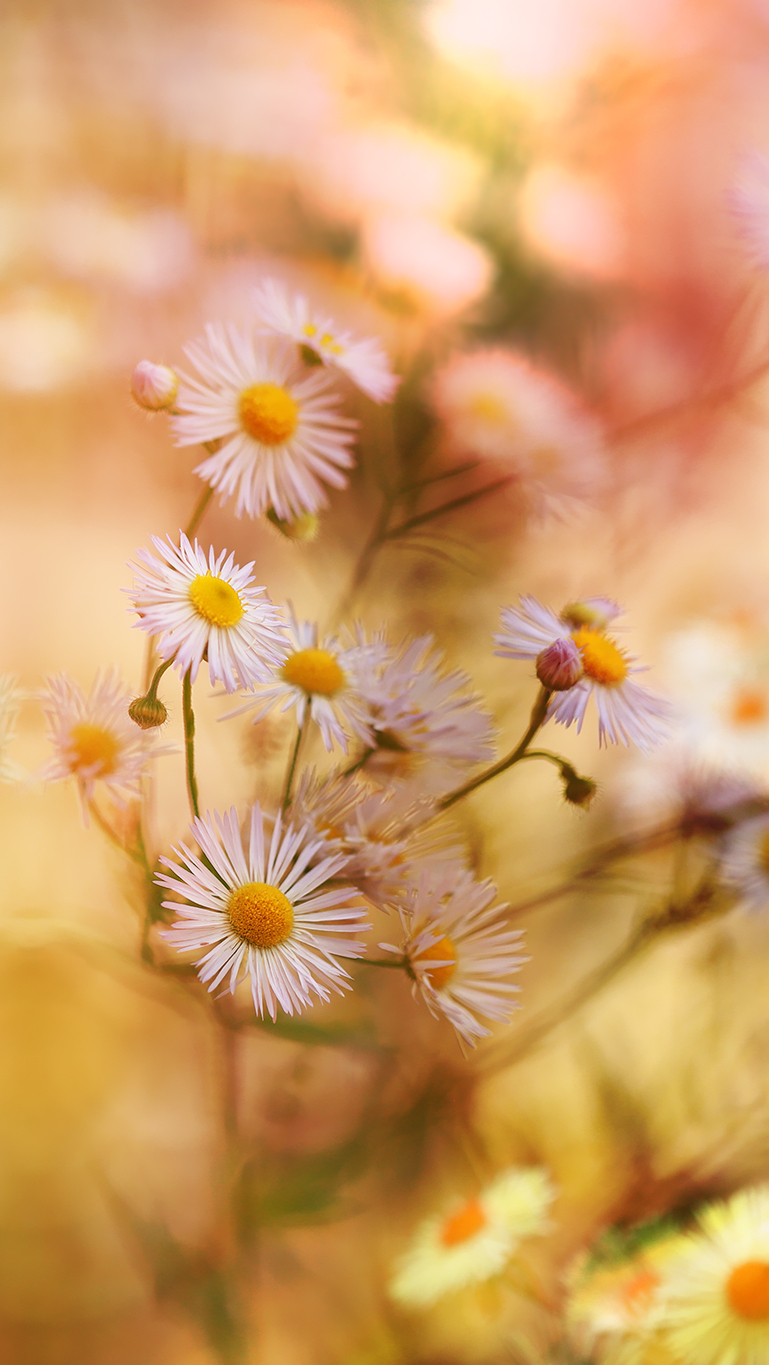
(594, 612)
(578, 791)
(154, 387)
(559, 667)
(302, 529)
(148, 712)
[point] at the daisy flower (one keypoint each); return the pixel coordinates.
(10, 699)
(745, 861)
(93, 737)
(474, 1240)
(495, 404)
(319, 678)
(421, 712)
(281, 435)
(458, 951)
(626, 712)
(363, 359)
(203, 608)
(264, 911)
(717, 1295)
(615, 1311)
(389, 844)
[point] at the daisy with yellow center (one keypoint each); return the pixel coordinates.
(281, 436)
(717, 1295)
(202, 606)
(473, 1240)
(262, 910)
(616, 1307)
(361, 358)
(391, 839)
(627, 713)
(458, 950)
(744, 864)
(320, 679)
(495, 404)
(93, 737)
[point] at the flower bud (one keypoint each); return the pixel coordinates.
(559, 666)
(154, 386)
(148, 712)
(578, 791)
(302, 529)
(594, 612)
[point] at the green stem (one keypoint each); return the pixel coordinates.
(189, 743)
(136, 855)
(366, 558)
(399, 962)
(359, 763)
(538, 714)
(444, 508)
(197, 515)
(294, 756)
(152, 690)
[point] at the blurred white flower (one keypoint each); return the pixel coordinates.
(744, 861)
(474, 1240)
(718, 676)
(93, 737)
(615, 1308)
(433, 267)
(749, 202)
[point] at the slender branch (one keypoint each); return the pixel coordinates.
(137, 855)
(446, 507)
(538, 714)
(438, 478)
(294, 756)
(399, 962)
(359, 763)
(366, 558)
(189, 743)
(197, 515)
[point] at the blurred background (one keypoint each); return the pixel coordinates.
(577, 181)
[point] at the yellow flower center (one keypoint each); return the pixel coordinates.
(314, 670)
(260, 914)
(268, 413)
(94, 748)
(601, 659)
(749, 706)
(747, 1291)
(464, 1224)
(488, 407)
(216, 601)
(441, 951)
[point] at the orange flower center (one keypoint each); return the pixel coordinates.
(260, 914)
(747, 1291)
(464, 1224)
(601, 659)
(637, 1294)
(444, 952)
(268, 413)
(749, 706)
(94, 748)
(314, 670)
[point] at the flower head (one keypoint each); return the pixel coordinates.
(497, 405)
(263, 910)
(154, 387)
(281, 435)
(204, 608)
(422, 714)
(626, 712)
(93, 737)
(459, 951)
(363, 359)
(320, 678)
(472, 1241)
(717, 1294)
(616, 1308)
(745, 861)
(391, 840)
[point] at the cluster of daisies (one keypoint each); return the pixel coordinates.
(699, 1297)
(264, 400)
(696, 1296)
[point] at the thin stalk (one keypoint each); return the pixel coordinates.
(189, 743)
(538, 714)
(445, 507)
(366, 558)
(359, 763)
(136, 855)
(399, 962)
(152, 690)
(293, 759)
(197, 515)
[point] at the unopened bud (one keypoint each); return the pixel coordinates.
(559, 667)
(594, 612)
(148, 712)
(578, 791)
(302, 529)
(154, 386)
(309, 356)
